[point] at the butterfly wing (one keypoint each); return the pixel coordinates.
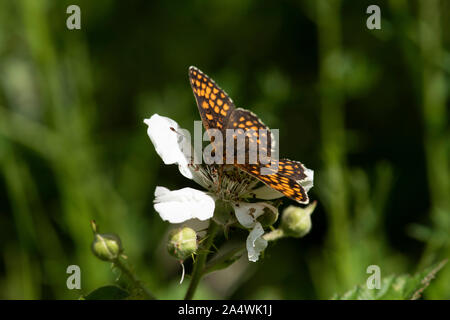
(288, 177)
(218, 111)
(250, 123)
(214, 105)
(285, 180)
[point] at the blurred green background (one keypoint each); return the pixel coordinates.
(366, 109)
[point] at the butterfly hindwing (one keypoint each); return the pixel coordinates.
(290, 169)
(255, 130)
(284, 180)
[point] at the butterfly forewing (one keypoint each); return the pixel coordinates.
(214, 105)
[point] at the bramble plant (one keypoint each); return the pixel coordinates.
(233, 199)
(228, 204)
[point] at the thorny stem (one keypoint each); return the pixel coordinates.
(199, 265)
(136, 283)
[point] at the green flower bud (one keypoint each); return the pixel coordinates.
(106, 246)
(182, 243)
(296, 221)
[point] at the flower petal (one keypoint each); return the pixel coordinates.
(308, 182)
(180, 205)
(255, 243)
(171, 142)
(247, 213)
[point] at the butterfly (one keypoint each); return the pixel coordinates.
(218, 111)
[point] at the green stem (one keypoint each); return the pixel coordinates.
(199, 265)
(274, 235)
(136, 283)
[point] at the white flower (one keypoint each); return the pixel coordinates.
(255, 243)
(248, 213)
(172, 144)
(184, 204)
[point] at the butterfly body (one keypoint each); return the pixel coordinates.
(218, 111)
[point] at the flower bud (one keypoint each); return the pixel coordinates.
(296, 221)
(182, 243)
(106, 246)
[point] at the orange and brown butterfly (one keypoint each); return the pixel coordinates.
(217, 111)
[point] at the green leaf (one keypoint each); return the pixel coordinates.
(224, 260)
(108, 293)
(394, 287)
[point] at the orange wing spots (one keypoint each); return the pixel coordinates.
(222, 95)
(205, 105)
(242, 125)
(289, 167)
(210, 84)
(254, 127)
(216, 109)
(210, 117)
(208, 90)
(199, 76)
(202, 93)
(241, 119)
(211, 103)
(234, 124)
(225, 106)
(215, 90)
(197, 83)
(219, 125)
(203, 86)
(249, 123)
(219, 102)
(223, 113)
(213, 96)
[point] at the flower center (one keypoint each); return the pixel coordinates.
(226, 181)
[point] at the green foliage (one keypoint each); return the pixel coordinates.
(107, 293)
(402, 287)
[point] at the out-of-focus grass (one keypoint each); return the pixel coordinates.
(436, 137)
(67, 156)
